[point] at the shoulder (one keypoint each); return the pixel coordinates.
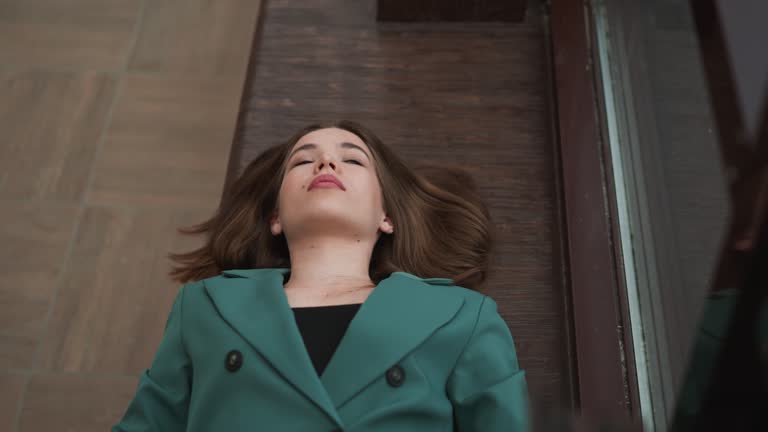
(473, 300)
(478, 315)
(447, 286)
(192, 289)
(473, 304)
(477, 307)
(191, 294)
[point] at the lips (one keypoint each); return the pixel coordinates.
(326, 179)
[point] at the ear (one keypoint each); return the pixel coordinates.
(274, 224)
(386, 225)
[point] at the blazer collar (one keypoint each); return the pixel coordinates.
(400, 313)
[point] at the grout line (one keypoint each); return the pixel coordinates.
(59, 69)
(64, 271)
(59, 282)
(136, 31)
(20, 404)
(30, 372)
(97, 151)
(83, 203)
(78, 224)
(118, 74)
(182, 206)
(67, 258)
(206, 209)
(89, 183)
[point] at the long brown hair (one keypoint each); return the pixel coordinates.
(442, 227)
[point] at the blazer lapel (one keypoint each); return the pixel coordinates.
(400, 313)
(254, 304)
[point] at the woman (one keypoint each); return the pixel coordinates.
(308, 308)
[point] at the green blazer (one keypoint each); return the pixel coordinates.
(420, 355)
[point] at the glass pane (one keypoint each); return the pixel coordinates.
(672, 202)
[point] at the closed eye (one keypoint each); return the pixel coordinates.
(348, 160)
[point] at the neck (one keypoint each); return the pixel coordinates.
(329, 264)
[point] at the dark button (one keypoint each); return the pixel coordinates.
(233, 361)
(395, 376)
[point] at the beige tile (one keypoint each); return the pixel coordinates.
(113, 304)
(80, 34)
(75, 402)
(11, 388)
(51, 124)
(168, 141)
(35, 238)
(196, 36)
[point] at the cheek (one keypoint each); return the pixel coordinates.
(372, 191)
(287, 192)
(291, 185)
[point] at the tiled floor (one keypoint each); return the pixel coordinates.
(174, 162)
(117, 118)
(11, 387)
(52, 123)
(63, 402)
(79, 35)
(36, 238)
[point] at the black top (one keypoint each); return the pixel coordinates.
(322, 328)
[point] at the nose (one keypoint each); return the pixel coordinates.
(324, 160)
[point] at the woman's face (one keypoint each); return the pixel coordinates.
(355, 210)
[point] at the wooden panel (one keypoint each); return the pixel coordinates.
(197, 37)
(75, 402)
(455, 10)
(51, 124)
(35, 238)
(116, 276)
(81, 34)
(167, 141)
(470, 93)
(11, 389)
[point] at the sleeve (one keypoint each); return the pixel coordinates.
(162, 398)
(487, 388)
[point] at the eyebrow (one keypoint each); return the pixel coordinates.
(343, 145)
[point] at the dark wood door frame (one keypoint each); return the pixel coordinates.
(606, 386)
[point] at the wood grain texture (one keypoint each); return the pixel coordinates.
(69, 34)
(115, 299)
(11, 388)
(198, 37)
(595, 303)
(474, 93)
(82, 403)
(35, 239)
(51, 124)
(167, 142)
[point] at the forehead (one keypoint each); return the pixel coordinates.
(330, 137)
